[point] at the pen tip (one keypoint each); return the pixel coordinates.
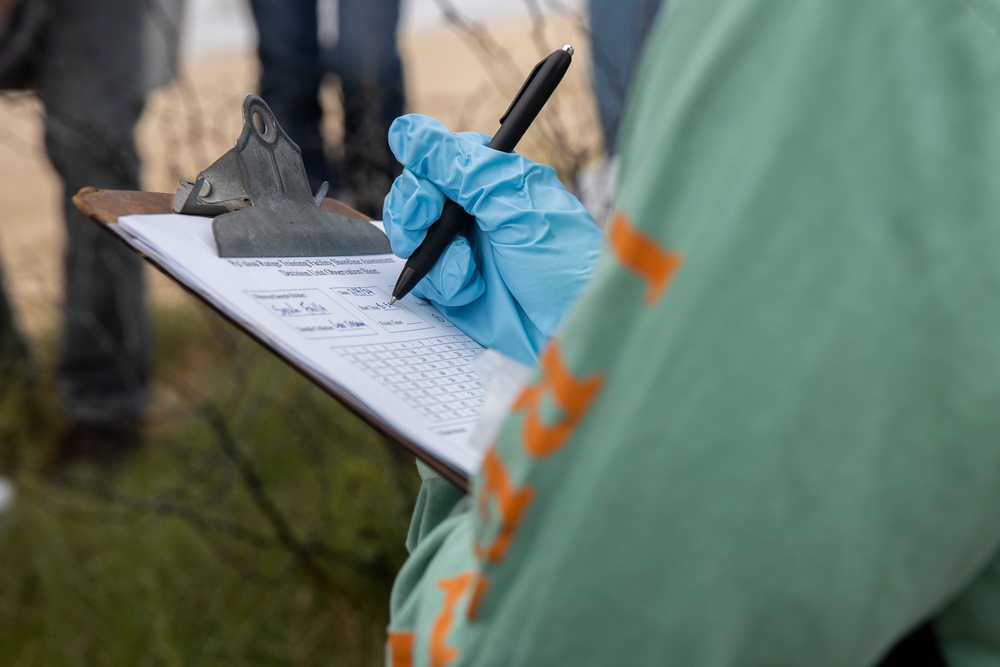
(568, 49)
(392, 300)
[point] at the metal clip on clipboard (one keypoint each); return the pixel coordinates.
(260, 194)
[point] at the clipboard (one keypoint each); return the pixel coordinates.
(106, 207)
(310, 279)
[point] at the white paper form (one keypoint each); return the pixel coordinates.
(331, 316)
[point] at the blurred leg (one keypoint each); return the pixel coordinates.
(91, 82)
(12, 348)
(371, 76)
(290, 75)
(618, 29)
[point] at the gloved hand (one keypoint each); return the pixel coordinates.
(508, 282)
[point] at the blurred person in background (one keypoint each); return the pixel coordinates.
(92, 62)
(768, 430)
(618, 30)
(365, 59)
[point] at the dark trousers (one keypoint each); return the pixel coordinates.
(92, 81)
(366, 61)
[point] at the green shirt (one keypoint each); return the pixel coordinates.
(769, 433)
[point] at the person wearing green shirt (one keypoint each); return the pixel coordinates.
(763, 426)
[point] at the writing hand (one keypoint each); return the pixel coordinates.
(509, 281)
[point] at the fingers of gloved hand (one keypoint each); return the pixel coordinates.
(460, 165)
(411, 206)
(454, 280)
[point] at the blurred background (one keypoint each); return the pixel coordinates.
(258, 522)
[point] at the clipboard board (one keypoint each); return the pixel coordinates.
(107, 207)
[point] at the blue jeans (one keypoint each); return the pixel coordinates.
(367, 63)
(618, 29)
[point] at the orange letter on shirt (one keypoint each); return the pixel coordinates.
(571, 395)
(511, 504)
(401, 648)
(642, 255)
(441, 653)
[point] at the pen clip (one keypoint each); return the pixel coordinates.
(524, 87)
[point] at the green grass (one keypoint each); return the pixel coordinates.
(261, 523)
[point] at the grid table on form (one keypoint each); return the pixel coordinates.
(432, 375)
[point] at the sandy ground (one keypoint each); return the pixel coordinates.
(464, 79)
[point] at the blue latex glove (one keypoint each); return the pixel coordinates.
(509, 283)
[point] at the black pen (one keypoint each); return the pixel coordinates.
(535, 92)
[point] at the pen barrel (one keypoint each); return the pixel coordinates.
(530, 100)
(452, 221)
